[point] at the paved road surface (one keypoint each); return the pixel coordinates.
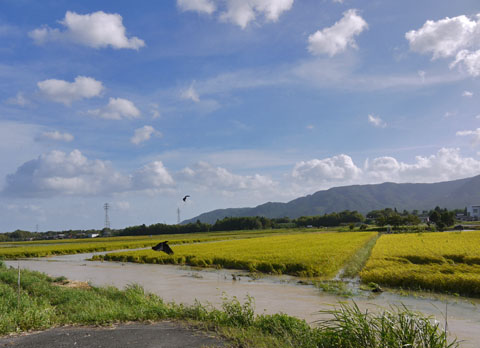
(158, 335)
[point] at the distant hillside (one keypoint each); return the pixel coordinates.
(363, 198)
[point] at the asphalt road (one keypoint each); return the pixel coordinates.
(157, 335)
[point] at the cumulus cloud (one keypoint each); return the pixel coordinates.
(151, 177)
(467, 94)
(143, 134)
(206, 6)
(117, 109)
(56, 135)
(457, 37)
(339, 37)
(377, 121)
(239, 12)
(446, 164)
(57, 173)
(336, 169)
(205, 175)
(61, 91)
(97, 30)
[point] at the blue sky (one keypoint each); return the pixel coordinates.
(235, 103)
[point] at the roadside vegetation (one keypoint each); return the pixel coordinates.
(44, 302)
(306, 255)
(441, 262)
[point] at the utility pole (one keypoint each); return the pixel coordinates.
(106, 206)
(178, 216)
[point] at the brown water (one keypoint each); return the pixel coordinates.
(272, 294)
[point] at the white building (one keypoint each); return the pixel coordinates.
(473, 211)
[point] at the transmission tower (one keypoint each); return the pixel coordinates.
(106, 206)
(178, 216)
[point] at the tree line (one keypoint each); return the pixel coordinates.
(440, 218)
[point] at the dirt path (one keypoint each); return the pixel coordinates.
(157, 335)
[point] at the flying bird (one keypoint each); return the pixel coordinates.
(185, 198)
(163, 246)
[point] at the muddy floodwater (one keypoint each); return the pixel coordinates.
(272, 294)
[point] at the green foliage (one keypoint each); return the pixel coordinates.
(397, 327)
(390, 216)
(43, 305)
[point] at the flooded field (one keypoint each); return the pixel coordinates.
(272, 294)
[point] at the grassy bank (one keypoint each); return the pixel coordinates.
(45, 302)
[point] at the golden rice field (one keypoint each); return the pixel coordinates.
(307, 254)
(15, 250)
(441, 262)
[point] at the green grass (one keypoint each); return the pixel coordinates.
(43, 304)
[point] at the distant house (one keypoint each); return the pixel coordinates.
(474, 211)
(93, 235)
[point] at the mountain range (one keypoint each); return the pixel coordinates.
(363, 198)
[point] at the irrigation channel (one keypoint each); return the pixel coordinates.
(272, 294)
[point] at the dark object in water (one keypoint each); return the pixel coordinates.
(163, 246)
(185, 198)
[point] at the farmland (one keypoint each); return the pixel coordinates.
(307, 254)
(14, 250)
(440, 262)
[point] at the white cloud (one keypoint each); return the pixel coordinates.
(474, 133)
(339, 37)
(117, 109)
(450, 114)
(242, 12)
(206, 6)
(467, 94)
(336, 169)
(205, 175)
(190, 94)
(151, 177)
(377, 121)
(19, 100)
(143, 134)
(57, 173)
(239, 12)
(56, 135)
(457, 37)
(61, 91)
(446, 164)
(97, 30)
(470, 60)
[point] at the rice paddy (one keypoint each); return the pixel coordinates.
(440, 262)
(15, 250)
(307, 254)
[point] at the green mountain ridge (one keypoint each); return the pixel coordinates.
(363, 198)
